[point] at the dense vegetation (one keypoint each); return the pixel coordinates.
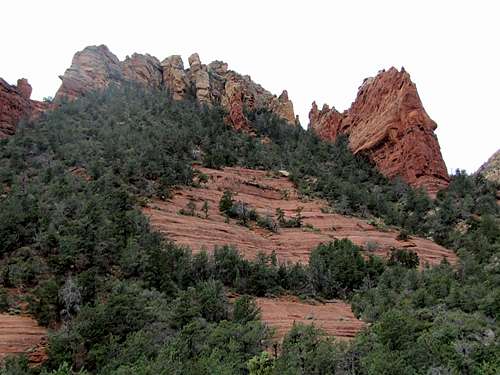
(130, 302)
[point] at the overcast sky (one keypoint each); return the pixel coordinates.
(317, 50)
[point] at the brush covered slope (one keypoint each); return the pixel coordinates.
(121, 299)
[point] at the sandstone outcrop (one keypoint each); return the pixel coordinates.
(20, 334)
(334, 317)
(95, 68)
(265, 194)
(143, 69)
(234, 101)
(491, 169)
(16, 105)
(283, 107)
(198, 75)
(174, 76)
(389, 124)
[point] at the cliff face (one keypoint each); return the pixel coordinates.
(15, 105)
(491, 169)
(96, 68)
(389, 124)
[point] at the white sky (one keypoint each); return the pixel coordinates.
(317, 50)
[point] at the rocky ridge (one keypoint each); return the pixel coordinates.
(16, 105)
(96, 67)
(389, 124)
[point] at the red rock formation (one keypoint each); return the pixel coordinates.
(234, 102)
(198, 75)
(174, 76)
(388, 123)
(143, 69)
(15, 105)
(93, 68)
(283, 107)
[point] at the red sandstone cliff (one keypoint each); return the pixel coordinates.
(389, 124)
(15, 105)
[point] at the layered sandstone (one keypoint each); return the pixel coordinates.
(96, 68)
(491, 169)
(389, 124)
(266, 193)
(16, 105)
(334, 317)
(20, 334)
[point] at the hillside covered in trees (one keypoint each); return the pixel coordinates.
(121, 299)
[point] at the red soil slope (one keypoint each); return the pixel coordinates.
(21, 334)
(265, 193)
(334, 317)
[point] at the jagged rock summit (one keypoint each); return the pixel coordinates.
(389, 124)
(491, 169)
(96, 67)
(15, 105)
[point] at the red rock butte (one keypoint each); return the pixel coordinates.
(388, 123)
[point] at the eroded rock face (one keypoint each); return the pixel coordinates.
(174, 76)
(94, 68)
(491, 169)
(198, 75)
(143, 69)
(389, 124)
(16, 105)
(234, 101)
(283, 107)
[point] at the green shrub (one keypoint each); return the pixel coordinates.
(405, 258)
(245, 310)
(337, 268)
(4, 300)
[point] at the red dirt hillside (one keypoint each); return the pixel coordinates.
(265, 193)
